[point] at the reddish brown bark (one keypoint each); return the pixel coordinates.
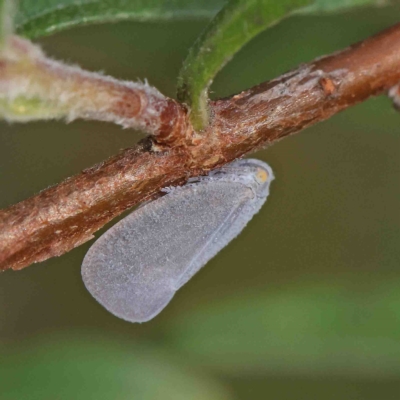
(65, 216)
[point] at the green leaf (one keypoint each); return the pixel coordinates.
(90, 368)
(42, 17)
(37, 18)
(307, 329)
(235, 25)
(329, 6)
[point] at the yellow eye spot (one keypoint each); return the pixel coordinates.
(262, 175)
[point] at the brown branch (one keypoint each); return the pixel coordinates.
(65, 216)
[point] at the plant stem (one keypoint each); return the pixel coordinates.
(33, 86)
(66, 215)
(235, 25)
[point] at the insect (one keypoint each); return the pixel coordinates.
(135, 268)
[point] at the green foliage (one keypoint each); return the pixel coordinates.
(235, 25)
(313, 329)
(95, 369)
(328, 6)
(42, 17)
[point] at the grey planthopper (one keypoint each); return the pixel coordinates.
(135, 268)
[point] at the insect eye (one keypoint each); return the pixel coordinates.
(261, 175)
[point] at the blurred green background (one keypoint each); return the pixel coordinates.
(304, 304)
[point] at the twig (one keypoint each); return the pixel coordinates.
(66, 215)
(33, 86)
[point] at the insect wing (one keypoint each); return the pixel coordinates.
(135, 268)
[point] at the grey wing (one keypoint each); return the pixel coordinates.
(135, 268)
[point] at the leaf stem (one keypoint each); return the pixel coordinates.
(235, 25)
(34, 87)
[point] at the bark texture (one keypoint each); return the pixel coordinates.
(66, 215)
